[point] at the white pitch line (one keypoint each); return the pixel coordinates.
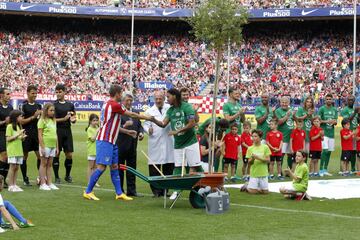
(297, 211)
(241, 205)
(96, 188)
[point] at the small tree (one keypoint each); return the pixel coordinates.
(218, 23)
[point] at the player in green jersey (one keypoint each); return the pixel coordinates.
(181, 117)
(306, 113)
(328, 115)
(234, 113)
(286, 118)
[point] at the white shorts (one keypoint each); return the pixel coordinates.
(258, 183)
(288, 188)
(192, 156)
(49, 152)
(205, 166)
(328, 144)
(286, 148)
(91, 158)
(15, 160)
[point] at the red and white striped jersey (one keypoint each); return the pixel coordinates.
(110, 119)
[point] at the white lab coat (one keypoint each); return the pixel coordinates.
(160, 144)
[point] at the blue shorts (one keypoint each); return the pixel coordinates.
(106, 153)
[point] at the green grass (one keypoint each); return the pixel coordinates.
(64, 214)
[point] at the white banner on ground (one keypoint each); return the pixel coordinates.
(330, 189)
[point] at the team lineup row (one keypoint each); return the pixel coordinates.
(232, 112)
(52, 124)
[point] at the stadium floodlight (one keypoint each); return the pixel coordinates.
(130, 82)
(228, 69)
(354, 51)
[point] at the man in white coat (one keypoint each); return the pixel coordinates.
(160, 144)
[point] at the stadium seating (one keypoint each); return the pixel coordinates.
(193, 3)
(297, 64)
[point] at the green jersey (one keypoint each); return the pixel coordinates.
(261, 111)
(302, 172)
(49, 132)
(14, 148)
(231, 109)
(259, 168)
(327, 113)
(346, 112)
(287, 127)
(307, 121)
(201, 130)
(179, 118)
(91, 145)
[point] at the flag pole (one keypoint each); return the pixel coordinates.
(132, 47)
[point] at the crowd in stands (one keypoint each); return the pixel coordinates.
(89, 63)
(295, 63)
(251, 4)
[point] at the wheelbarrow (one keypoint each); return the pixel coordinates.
(187, 182)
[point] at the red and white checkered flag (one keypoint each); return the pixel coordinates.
(206, 105)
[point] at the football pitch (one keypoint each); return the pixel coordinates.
(64, 214)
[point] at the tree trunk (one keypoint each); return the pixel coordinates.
(212, 135)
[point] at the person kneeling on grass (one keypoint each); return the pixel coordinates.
(300, 177)
(7, 209)
(259, 158)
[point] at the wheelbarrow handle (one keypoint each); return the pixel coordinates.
(122, 167)
(133, 171)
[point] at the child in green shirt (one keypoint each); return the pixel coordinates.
(14, 137)
(300, 177)
(259, 158)
(48, 146)
(92, 131)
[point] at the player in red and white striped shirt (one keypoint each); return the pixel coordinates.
(106, 148)
(110, 121)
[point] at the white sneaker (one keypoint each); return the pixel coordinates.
(38, 180)
(11, 189)
(18, 189)
(2, 230)
(327, 174)
(173, 196)
(44, 187)
(53, 187)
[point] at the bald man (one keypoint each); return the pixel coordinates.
(285, 117)
(160, 144)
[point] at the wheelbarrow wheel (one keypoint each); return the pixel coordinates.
(196, 200)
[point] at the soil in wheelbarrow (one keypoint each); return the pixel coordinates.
(214, 180)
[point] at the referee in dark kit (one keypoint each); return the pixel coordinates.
(5, 109)
(65, 115)
(32, 111)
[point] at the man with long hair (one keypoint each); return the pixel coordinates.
(181, 116)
